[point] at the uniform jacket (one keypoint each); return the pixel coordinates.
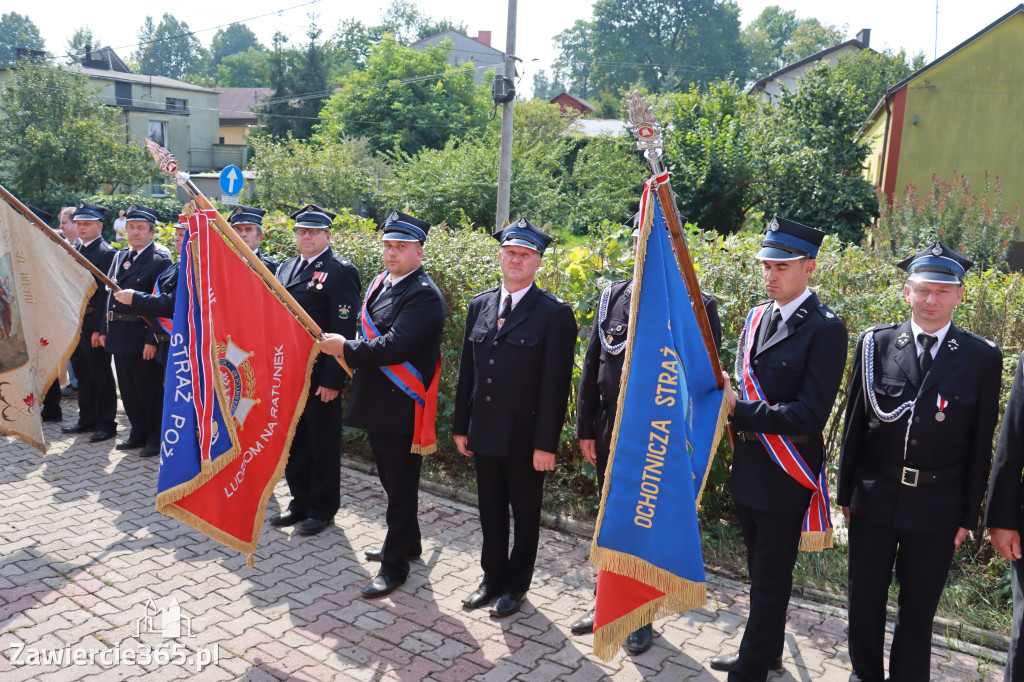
(271, 264)
(410, 330)
(598, 396)
(100, 254)
(1006, 491)
(129, 336)
(799, 369)
(334, 306)
(966, 372)
(514, 383)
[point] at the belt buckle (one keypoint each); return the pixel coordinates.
(907, 471)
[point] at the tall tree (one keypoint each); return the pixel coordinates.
(249, 69)
(169, 49)
(17, 30)
(871, 73)
(310, 82)
(405, 100)
(777, 38)
(234, 39)
(77, 43)
(809, 37)
(575, 58)
(276, 115)
(664, 45)
(63, 136)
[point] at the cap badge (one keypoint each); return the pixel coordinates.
(393, 217)
(902, 340)
(936, 250)
(522, 222)
(774, 225)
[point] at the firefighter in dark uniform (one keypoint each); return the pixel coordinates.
(797, 359)
(598, 397)
(51, 411)
(917, 444)
(97, 393)
(158, 305)
(126, 336)
(327, 288)
(406, 315)
(514, 376)
(1004, 514)
(248, 223)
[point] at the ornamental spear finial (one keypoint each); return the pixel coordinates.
(647, 131)
(164, 158)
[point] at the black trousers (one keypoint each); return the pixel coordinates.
(772, 541)
(97, 395)
(141, 383)
(1015, 657)
(399, 473)
(51, 401)
(922, 562)
(504, 482)
(313, 471)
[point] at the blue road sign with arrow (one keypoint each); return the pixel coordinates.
(231, 180)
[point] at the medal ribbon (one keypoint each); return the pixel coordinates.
(410, 381)
(816, 530)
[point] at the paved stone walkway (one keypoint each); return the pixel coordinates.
(82, 553)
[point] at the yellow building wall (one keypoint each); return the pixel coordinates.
(234, 134)
(968, 118)
(874, 135)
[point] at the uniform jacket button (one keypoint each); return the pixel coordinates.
(913, 441)
(491, 361)
(487, 399)
(917, 420)
(495, 343)
(488, 380)
(785, 364)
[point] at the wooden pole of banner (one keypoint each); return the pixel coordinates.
(27, 212)
(165, 160)
(648, 134)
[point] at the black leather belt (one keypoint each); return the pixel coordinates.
(915, 477)
(121, 317)
(162, 338)
(750, 436)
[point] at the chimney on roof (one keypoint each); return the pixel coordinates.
(88, 52)
(484, 37)
(864, 37)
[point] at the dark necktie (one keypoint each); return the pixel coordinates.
(770, 328)
(383, 297)
(925, 358)
(506, 310)
(305, 264)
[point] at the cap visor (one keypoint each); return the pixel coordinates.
(771, 253)
(935, 277)
(396, 236)
(314, 226)
(512, 241)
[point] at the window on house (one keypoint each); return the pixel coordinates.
(158, 132)
(174, 104)
(123, 94)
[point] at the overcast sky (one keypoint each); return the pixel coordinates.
(895, 24)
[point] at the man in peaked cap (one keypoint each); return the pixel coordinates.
(400, 337)
(327, 287)
(789, 363)
(514, 376)
(128, 337)
(598, 397)
(248, 223)
(97, 394)
(917, 443)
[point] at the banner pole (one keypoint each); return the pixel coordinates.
(167, 163)
(648, 134)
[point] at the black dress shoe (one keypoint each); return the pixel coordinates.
(287, 518)
(78, 428)
(381, 585)
(507, 604)
(481, 597)
(52, 417)
(727, 662)
(126, 445)
(640, 640)
(313, 526)
(584, 625)
(150, 451)
(101, 435)
(376, 554)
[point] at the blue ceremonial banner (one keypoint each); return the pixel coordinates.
(669, 420)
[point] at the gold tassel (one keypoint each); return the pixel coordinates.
(250, 561)
(815, 540)
(423, 449)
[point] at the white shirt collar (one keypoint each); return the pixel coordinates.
(516, 296)
(313, 259)
(395, 280)
(85, 244)
(140, 251)
(791, 307)
(940, 335)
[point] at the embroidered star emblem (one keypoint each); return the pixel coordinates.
(902, 340)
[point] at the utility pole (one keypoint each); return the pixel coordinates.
(505, 157)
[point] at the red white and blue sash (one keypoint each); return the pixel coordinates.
(816, 531)
(410, 381)
(164, 322)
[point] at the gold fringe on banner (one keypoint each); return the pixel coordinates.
(608, 638)
(815, 540)
(423, 449)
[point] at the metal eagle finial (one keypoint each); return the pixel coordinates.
(647, 131)
(164, 159)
